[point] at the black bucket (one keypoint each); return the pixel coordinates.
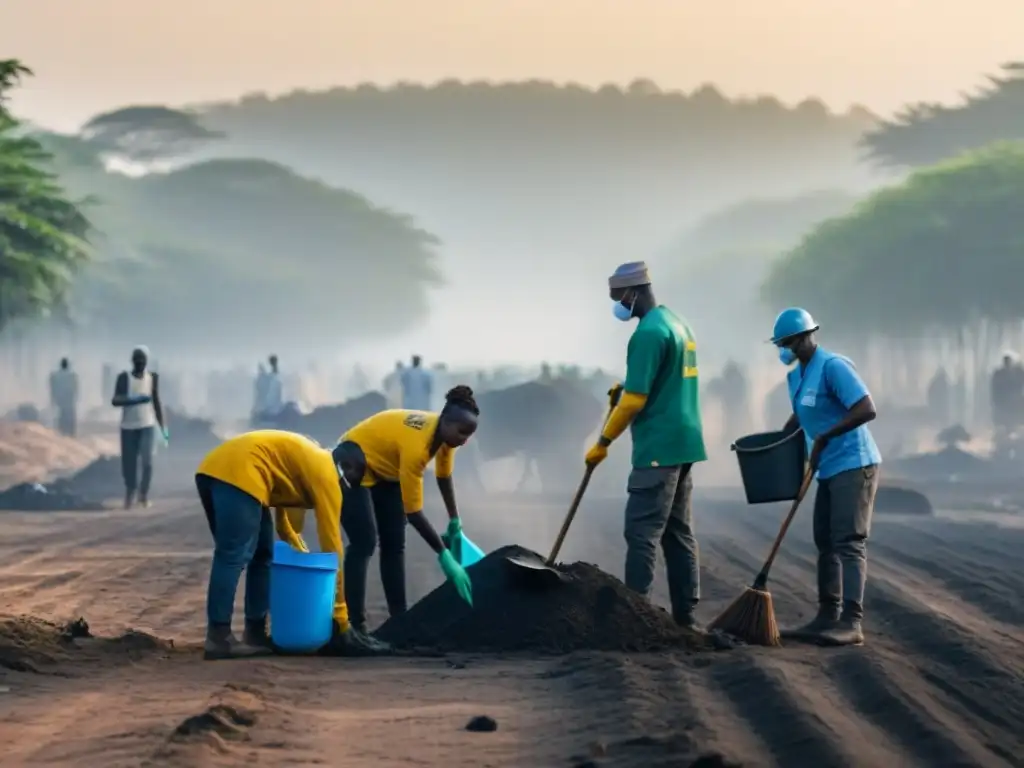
(772, 465)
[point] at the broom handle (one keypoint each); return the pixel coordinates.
(762, 578)
(614, 394)
(572, 513)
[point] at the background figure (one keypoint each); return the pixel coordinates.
(137, 394)
(939, 399)
(64, 398)
(392, 385)
(417, 386)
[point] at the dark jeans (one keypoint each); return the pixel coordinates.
(842, 522)
(369, 515)
(137, 448)
(243, 537)
(67, 421)
(659, 511)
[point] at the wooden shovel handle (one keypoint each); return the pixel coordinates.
(571, 514)
(762, 577)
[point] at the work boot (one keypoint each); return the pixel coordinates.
(256, 635)
(848, 630)
(222, 644)
(827, 618)
(689, 622)
(352, 642)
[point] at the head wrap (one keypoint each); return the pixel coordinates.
(141, 348)
(630, 275)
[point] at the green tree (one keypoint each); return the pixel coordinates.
(937, 257)
(42, 232)
(924, 134)
(147, 133)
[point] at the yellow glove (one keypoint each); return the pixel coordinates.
(596, 455)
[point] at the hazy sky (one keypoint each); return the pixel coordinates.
(90, 55)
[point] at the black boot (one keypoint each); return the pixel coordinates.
(688, 621)
(351, 642)
(826, 619)
(848, 630)
(222, 644)
(256, 634)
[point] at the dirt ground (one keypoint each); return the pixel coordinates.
(940, 683)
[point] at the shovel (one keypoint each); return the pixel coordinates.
(533, 570)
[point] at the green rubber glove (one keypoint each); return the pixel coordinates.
(166, 435)
(454, 538)
(457, 575)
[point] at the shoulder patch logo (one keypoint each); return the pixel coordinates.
(415, 420)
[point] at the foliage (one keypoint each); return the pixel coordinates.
(939, 252)
(147, 133)
(528, 170)
(713, 274)
(924, 134)
(42, 232)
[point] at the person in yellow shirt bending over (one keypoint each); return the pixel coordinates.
(398, 445)
(238, 482)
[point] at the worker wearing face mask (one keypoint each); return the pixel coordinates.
(660, 404)
(832, 405)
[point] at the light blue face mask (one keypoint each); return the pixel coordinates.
(622, 312)
(787, 356)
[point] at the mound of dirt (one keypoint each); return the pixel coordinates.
(99, 480)
(35, 497)
(32, 453)
(30, 644)
(588, 610)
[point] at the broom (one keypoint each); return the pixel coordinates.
(751, 617)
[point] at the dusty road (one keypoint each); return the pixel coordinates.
(941, 682)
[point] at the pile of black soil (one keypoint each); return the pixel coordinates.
(191, 433)
(588, 610)
(36, 497)
(100, 480)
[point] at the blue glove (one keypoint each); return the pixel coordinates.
(457, 575)
(166, 434)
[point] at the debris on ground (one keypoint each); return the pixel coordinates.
(588, 610)
(33, 453)
(482, 724)
(36, 497)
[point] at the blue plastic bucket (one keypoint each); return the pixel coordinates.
(302, 589)
(772, 465)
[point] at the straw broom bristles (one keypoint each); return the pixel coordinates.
(750, 618)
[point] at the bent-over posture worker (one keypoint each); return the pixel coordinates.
(238, 482)
(661, 404)
(398, 445)
(832, 405)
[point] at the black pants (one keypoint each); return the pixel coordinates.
(137, 449)
(842, 523)
(369, 515)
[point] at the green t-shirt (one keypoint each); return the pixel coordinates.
(661, 363)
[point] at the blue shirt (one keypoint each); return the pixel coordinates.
(822, 392)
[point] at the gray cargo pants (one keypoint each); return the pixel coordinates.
(659, 511)
(137, 448)
(842, 523)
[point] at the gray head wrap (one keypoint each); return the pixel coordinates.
(141, 348)
(630, 275)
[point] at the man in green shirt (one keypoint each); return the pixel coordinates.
(660, 403)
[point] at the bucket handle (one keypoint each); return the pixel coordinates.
(769, 447)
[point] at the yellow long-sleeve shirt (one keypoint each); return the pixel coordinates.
(286, 471)
(397, 448)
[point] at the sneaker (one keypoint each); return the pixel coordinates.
(222, 644)
(827, 618)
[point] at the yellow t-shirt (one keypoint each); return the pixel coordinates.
(286, 471)
(397, 448)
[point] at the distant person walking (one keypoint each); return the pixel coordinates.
(64, 398)
(137, 394)
(833, 406)
(392, 385)
(417, 386)
(661, 404)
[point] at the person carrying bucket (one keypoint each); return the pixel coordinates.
(398, 445)
(661, 403)
(238, 482)
(832, 404)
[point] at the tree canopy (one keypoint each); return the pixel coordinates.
(147, 133)
(937, 253)
(924, 134)
(526, 170)
(43, 233)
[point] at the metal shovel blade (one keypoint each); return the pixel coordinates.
(532, 571)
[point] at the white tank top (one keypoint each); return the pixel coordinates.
(139, 416)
